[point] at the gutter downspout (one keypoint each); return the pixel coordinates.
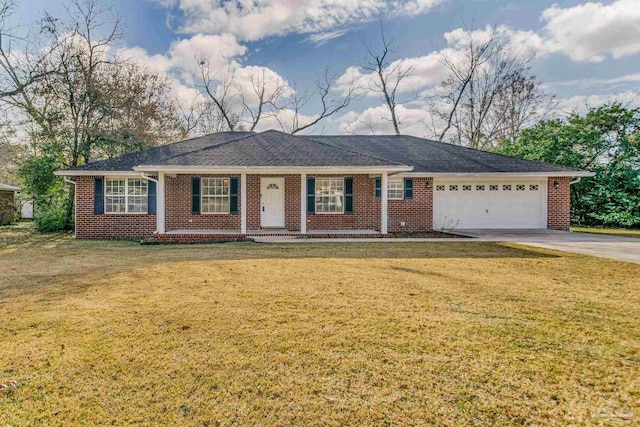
(575, 181)
(148, 178)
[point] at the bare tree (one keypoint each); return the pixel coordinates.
(266, 92)
(519, 103)
(201, 117)
(330, 103)
(23, 68)
(216, 84)
(488, 94)
(94, 104)
(387, 75)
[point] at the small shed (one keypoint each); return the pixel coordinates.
(8, 207)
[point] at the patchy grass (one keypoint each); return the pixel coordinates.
(445, 333)
(613, 231)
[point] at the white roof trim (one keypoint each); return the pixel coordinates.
(273, 169)
(495, 174)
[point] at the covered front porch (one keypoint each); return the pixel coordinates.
(315, 202)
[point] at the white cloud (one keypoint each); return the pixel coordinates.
(184, 55)
(581, 103)
(321, 38)
(591, 31)
(220, 50)
(377, 120)
(518, 42)
(251, 20)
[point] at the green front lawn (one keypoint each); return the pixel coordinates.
(314, 334)
(624, 232)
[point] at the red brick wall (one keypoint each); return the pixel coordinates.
(178, 208)
(107, 226)
(558, 204)
(366, 209)
(416, 213)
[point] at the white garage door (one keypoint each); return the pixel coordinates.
(489, 204)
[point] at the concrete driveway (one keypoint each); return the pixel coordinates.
(602, 245)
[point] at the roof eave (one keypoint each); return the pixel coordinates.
(499, 174)
(71, 172)
(274, 169)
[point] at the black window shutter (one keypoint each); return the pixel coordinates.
(195, 195)
(98, 196)
(233, 196)
(408, 188)
(378, 188)
(311, 195)
(151, 197)
(348, 195)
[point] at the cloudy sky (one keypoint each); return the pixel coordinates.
(586, 52)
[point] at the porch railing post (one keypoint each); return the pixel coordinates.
(243, 203)
(303, 203)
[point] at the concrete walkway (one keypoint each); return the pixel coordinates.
(602, 245)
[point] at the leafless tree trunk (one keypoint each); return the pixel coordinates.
(488, 95)
(387, 76)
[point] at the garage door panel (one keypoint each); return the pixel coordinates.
(475, 204)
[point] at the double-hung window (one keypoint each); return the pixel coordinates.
(124, 195)
(395, 189)
(329, 195)
(215, 195)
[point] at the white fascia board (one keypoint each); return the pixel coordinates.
(272, 169)
(494, 174)
(96, 173)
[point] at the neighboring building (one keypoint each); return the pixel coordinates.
(242, 183)
(7, 203)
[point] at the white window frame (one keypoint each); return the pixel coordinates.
(401, 188)
(215, 196)
(315, 198)
(126, 195)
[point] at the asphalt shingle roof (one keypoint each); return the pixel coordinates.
(273, 148)
(7, 187)
(158, 154)
(436, 157)
(278, 149)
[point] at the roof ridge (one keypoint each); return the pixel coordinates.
(352, 151)
(300, 137)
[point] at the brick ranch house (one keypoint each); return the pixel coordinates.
(242, 183)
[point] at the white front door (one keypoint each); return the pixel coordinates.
(272, 202)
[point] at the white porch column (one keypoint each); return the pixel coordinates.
(383, 204)
(303, 203)
(160, 199)
(243, 203)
